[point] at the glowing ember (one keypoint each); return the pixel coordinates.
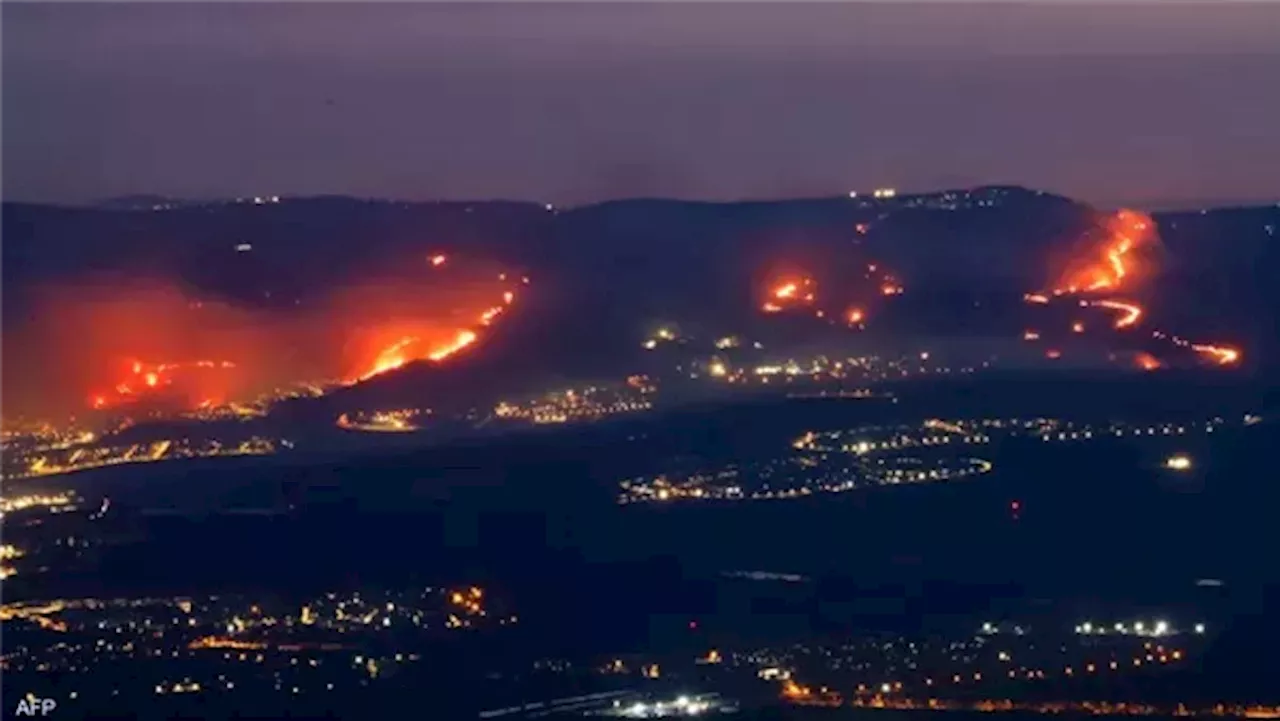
(175, 380)
(1130, 312)
(1113, 266)
(412, 348)
(462, 340)
(789, 294)
(1223, 356)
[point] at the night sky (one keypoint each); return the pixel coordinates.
(1143, 103)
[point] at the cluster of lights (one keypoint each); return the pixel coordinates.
(103, 455)
(1153, 629)
(54, 502)
(395, 421)
(581, 404)
(679, 706)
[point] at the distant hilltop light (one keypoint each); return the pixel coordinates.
(884, 193)
(1179, 462)
(243, 248)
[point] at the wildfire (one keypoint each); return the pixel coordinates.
(796, 290)
(1148, 362)
(460, 341)
(1130, 312)
(413, 347)
(1108, 269)
(141, 380)
(126, 335)
(788, 294)
(1224, 356)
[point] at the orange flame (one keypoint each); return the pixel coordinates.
(1147, 362)
(1109, 269)
(1222, 355)
(410, 348)
(1131, 312)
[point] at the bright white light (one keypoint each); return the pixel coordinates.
(1138, 626)
(1088, 627)
(1161, 628)
(1199, 628)
(682, 701)
(885, 688)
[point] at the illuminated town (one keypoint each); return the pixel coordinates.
(589, 403)
(875, 455)
(99, 453)
(303, 647)
(1001, 667)
(212, 644)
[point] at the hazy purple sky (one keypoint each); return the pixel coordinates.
(581, 102)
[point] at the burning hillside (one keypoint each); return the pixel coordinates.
(150, 344)
(1116, 264)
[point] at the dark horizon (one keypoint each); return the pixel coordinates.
(1118, 103)
(1161, 205)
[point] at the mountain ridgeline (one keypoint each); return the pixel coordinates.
(602, 276)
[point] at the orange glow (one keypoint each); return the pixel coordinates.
(438, 260)
(1147, 362)
(791, 689)
(177, 380)
(854, 316)
(788, 293)
(1131, 313)
(1219, 354)
(154, 345)
(1112, 266)
(1108, 267)
(412, 348)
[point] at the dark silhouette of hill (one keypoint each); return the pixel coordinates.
(603, 275)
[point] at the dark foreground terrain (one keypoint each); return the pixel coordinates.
(1055, 534)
